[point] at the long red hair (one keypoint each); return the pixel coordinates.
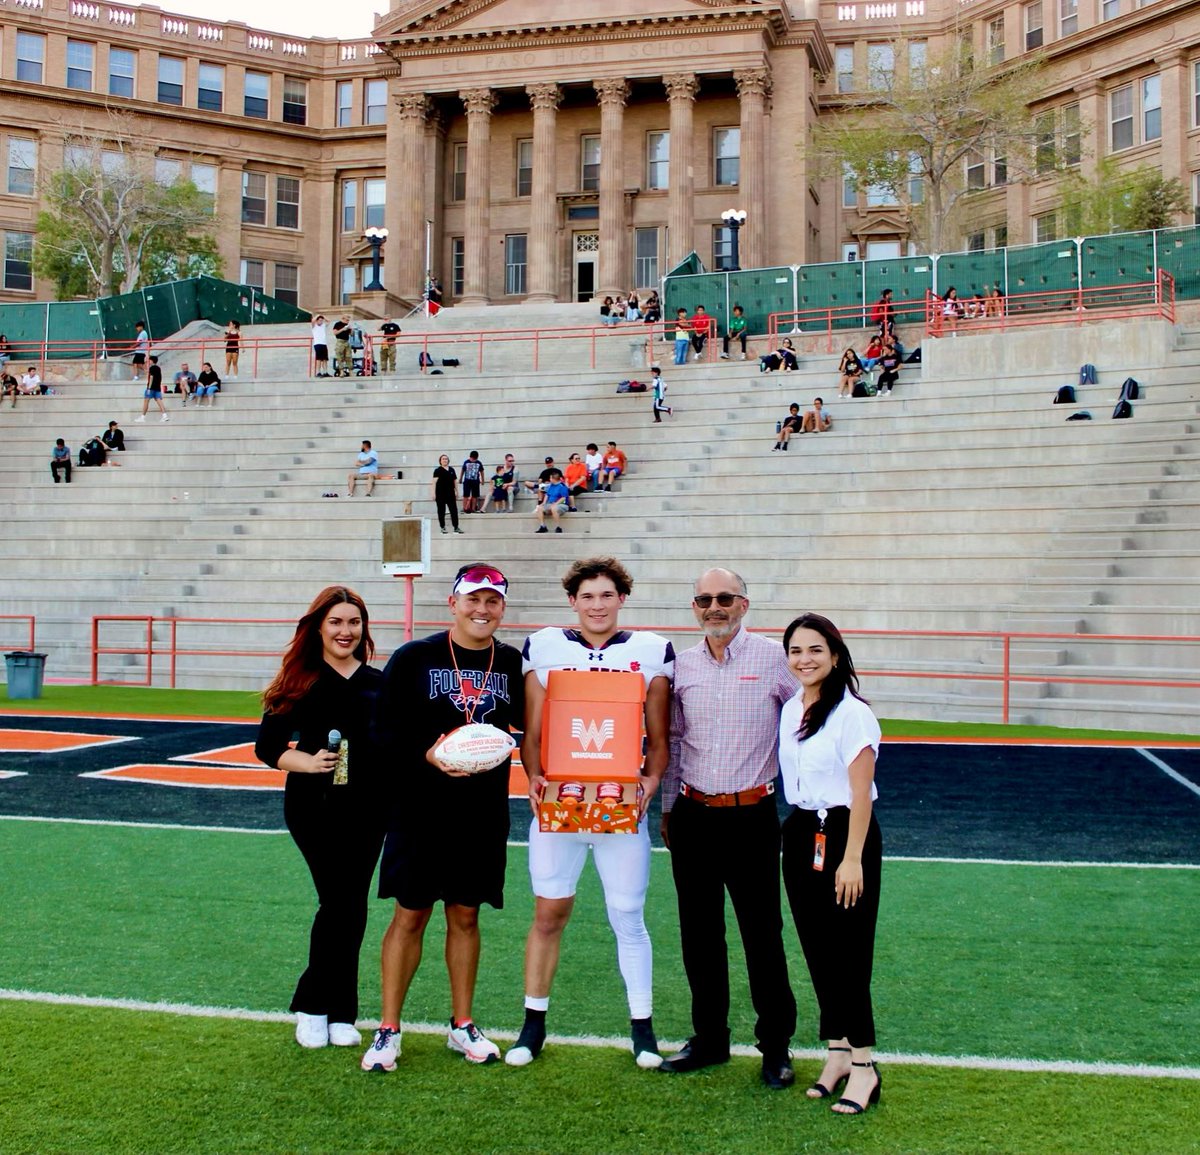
(304, 657)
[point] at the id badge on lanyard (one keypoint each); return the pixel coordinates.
(819, 842)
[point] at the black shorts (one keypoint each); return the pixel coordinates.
(470, 488)
(139, 358)
(320, 352)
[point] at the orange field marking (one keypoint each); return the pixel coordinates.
(240, 755)
(204, 777)
(48, 741)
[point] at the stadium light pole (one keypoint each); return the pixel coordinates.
(375, 238)
(734, 219)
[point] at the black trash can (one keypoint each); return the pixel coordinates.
(26, 670)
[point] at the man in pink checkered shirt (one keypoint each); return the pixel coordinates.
(721, 824)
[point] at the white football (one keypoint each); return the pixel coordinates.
(474, 748)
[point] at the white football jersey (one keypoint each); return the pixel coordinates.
(640, 651)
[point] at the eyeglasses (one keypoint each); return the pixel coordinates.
(723, 600)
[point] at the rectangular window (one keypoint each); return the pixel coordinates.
(1072, 135)
(374, 202)
(1120, 118)
(458, 188)
(295, 102)
(254, 198)
(349, 282)
(345, 103)
(18, 261)
(849, 188)
(524, 168)
(287, 202)
(1046, 152)
(210, 88)
(976, 169)
(645, 258)
(1068, 17)
(727, 153)
(1110, 9)
(120, 72)
(170, 80)
(252, 274)
(1033, 25)
(916, 180)
(996, 40)
(31, 57)
(349, 205)
(22, 166)
(658, 159)
(1152, 108)
(287, 283)
(81, 64)
(917, 53)
(1045, 228)
(881, 194)
(722, 248)
(975, 242)
(843, 56)
(204, 177)
(514, 263)
(1000, 170)
(881, 66)
(458, 265)
(1000, 237)
(589, 163)
(256, 99)
(167, 171)
(375, 102)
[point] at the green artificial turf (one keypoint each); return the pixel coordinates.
(85, 1080)
(139, 700)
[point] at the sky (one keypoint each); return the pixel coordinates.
(345, 20)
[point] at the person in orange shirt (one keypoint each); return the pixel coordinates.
(615, 464)
(576, 477)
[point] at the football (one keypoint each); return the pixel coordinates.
(474, 748)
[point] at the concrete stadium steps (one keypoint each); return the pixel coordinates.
(958, 503)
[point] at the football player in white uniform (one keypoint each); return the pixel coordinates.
(596, 589)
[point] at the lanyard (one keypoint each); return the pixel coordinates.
(471, 701)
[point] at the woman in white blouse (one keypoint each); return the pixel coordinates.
(833, 851)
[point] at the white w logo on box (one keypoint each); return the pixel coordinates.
(590, 734)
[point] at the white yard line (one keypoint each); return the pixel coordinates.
(963, 1062)
(1169, 771)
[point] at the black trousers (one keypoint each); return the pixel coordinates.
(64, 465)
(838, 943)
(444, 504)
(340, 833)
(735, 848)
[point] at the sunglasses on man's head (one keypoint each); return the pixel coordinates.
(723, 600)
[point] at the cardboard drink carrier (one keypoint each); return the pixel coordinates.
(592, 751)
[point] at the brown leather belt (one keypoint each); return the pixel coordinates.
(741, 798)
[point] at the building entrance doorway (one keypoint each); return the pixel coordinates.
(586, 250)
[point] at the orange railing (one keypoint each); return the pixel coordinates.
(30, 621)
(830, 319)
(1005, 674)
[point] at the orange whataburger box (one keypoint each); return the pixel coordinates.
(592, 751)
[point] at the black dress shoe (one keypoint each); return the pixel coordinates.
(694, 1057)
(777, 1072)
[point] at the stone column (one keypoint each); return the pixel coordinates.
(612, 94)
(1176, 95)
(753, 85)
(681, 92)
(543, 281)
(479, 102)
(435, 184)
(404, 252)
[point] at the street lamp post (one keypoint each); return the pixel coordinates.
(734, 219)
(375, 238)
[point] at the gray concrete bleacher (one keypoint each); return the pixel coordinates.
(964, 501)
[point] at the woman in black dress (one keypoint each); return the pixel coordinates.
(233, 347)
(445, 492)
(333, 802)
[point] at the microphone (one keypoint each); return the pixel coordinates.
(341, 747)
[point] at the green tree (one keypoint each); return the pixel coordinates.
(1119, 200)
(923, 124)
(111, 225)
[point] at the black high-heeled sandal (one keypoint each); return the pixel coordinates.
(824, 1092)
(858, 1108)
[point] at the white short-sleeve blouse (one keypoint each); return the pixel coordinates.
(816, 772)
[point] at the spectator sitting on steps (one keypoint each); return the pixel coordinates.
(114, 438)
(615, 464)
(700, 325)
(9, 388)
(850, 370)
(784, 357)
(368, 470)
(890, 364)
(792, 423)
(208, 384)
(31, 382)
(817, 420)
(734, 331)
(554, 501)
(94, 452)
(60, 458)
(185, 382)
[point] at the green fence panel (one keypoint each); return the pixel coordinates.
(273, 311)
(1121, 259)
(77, 322)
(24, 326)
(1179, 255)
(707, 289)
(760, 292)
(907, 277)
(1051, 267)
(971, 273)
(117, 317)
(222, 301)
(158, 305)
(832, 286)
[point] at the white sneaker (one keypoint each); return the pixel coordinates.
(312, 1031)
(384, 1050)
(469, 1040)
(165, 417)
(344, 1035)
(141, 418)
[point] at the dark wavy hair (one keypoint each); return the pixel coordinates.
(841, 678)
(593, 567)
(303, 659)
